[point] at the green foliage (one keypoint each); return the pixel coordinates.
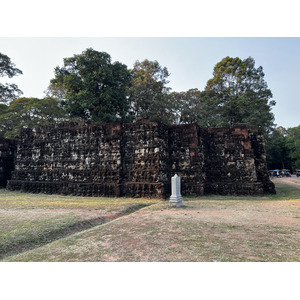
(92, 87)
(241, 94)
(8, 92)
(277, 150)
(293, 144)
(198, 106)
(148, 92)
(3, 108)
(188, 105)
(30, 113)
(283, 148)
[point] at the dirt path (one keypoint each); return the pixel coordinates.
(294, 181)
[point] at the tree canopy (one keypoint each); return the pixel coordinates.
(283, 148)
(148, 92)
(241, 93)
(277, 151)
(197, 106)
(8, 91)
(30, 113)
(293, 144)
(93, 87)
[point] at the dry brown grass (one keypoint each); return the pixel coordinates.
(210, 228)
(28, 221)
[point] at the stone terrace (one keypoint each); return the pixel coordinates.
(138, 160)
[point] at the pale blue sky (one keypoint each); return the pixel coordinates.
(189, 60)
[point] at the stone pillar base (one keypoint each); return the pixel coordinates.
(176, 201)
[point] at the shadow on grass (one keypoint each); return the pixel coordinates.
(58, 233)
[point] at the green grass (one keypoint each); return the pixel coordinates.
(20, 200)
(285, 192)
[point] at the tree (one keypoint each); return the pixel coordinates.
(293, 144)
(199, 107)
(278, 156)
(283, 148)
(30, 113)
(92, 87)
(149, 93)
(11, 91)
(241, 93)
(188, 104)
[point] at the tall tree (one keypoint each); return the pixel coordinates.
(93, 87)
(30, 113)
(242, 94)
(149, 94)
(8, 91)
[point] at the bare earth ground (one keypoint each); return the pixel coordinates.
(212, 228)
(295, 181)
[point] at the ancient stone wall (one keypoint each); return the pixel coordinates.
(70, 159)
(145, 158)
(187, 158)
(232, 164)
(7, 149)
(138, 159)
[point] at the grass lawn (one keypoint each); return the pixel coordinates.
(210, 228)
(30, 220)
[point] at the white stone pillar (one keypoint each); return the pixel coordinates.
(176, 198)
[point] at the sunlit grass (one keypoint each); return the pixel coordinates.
(20, 200)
